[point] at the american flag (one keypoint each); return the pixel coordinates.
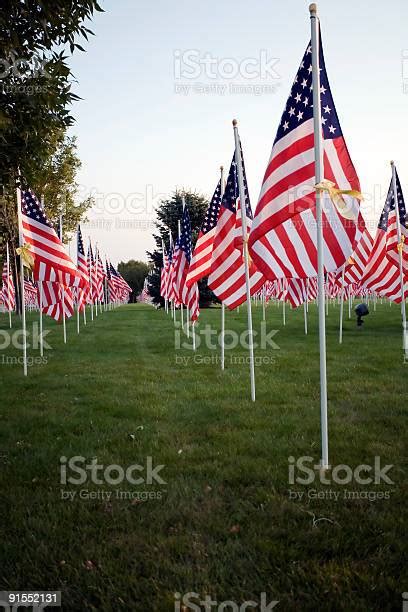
(56, 300)
(171, 291)
(227, 273)
(382, 274)
(392, 233)
(51, 261)
(283, 240)
(99, 277)
(182, 256)
(90, 263)
(300, 290)
(119, 290)
(188, 295)
(83, 270)
(163, 274)
(8, 296)
(200, 263)
(357, 263)
(30, 294)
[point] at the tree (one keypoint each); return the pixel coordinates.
(36, 80)
(36, 38)
(134, 272)
(169, 213)
(57, 183)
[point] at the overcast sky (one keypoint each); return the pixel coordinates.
(145, 125)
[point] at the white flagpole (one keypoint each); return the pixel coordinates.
(8, 282)
(284, 310)
(263, 305)
(222, 303)
(305, 305)
(341, 305)
(401, 266)
(307, 295)
(64, 327)
(22, 292)
(242, 204)
(77, 289)
(318, 150)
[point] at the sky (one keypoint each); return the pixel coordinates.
(161, 81)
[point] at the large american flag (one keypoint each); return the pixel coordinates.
(382, 273)
(227, 273)
(283, 240)
(200, 263)
(7, 295)
(51, 261)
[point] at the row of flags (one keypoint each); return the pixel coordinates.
(282, 237)
(54, 284)
(308, 238)
(62, 284)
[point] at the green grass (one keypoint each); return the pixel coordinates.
(223, 524)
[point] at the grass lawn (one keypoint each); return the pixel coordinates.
(225, 522)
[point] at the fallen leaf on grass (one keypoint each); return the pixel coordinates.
(89, 565)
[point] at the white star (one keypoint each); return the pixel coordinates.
(306, 101)
(310, 69)
(309, 49)
(286, 126)
(298, 97)
(323, 89)
(304, 83)
(332, 129)
(324, 120)
(299, 115)
(291, 111)
(327, 109)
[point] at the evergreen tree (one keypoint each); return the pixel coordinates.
(169, 213)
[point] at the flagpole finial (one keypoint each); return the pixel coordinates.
(234, 122)
(313, 8)
(221, 167)
(392, 162)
